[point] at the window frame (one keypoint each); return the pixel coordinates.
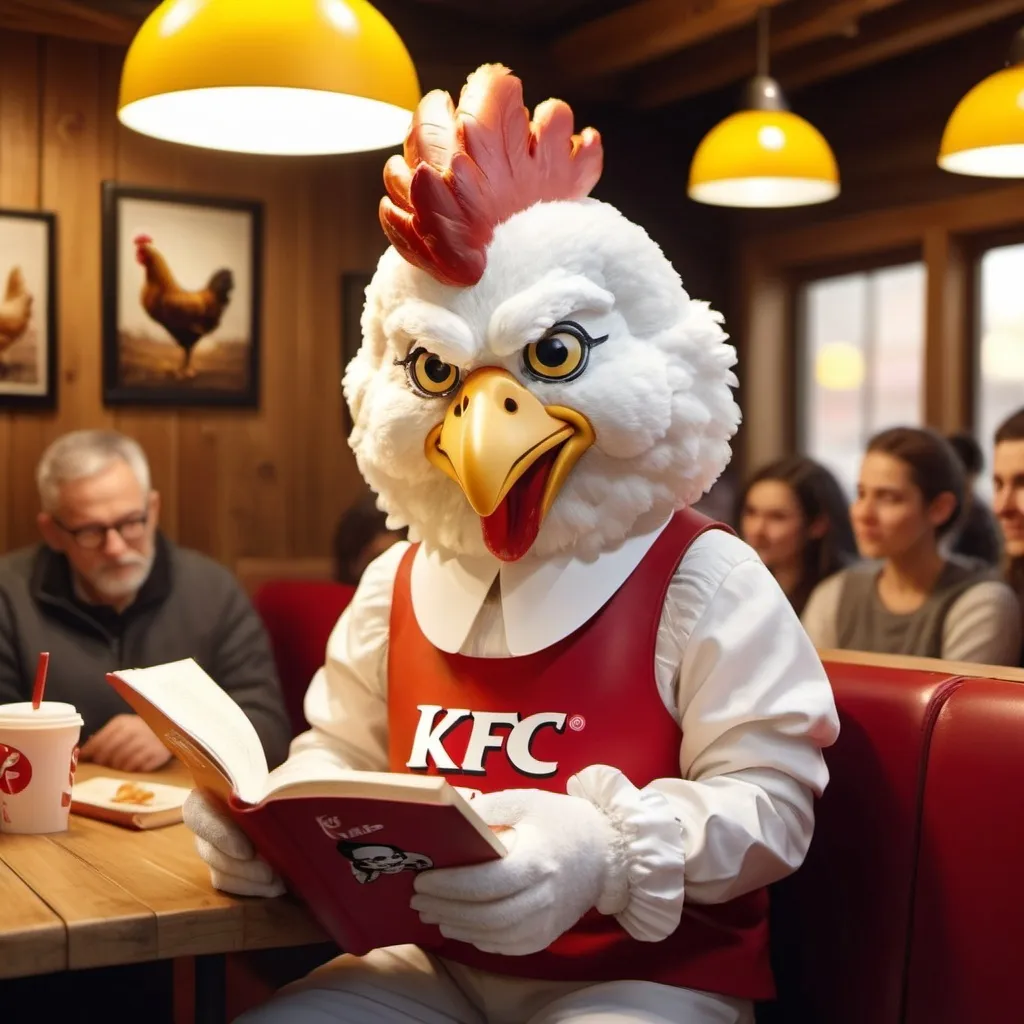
(948, 236)
(861, 264)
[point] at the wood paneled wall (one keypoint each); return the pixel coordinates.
(265, 483)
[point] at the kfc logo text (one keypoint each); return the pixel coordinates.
(515, 736)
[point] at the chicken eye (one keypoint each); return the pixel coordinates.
(430, 375)
(560, 355)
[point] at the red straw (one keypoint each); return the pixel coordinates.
(40, 684)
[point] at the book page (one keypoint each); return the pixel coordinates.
(181, 692)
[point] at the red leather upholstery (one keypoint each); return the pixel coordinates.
(841, 924)
(299, 616)
(966, 955)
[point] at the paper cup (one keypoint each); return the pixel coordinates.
(38, 756)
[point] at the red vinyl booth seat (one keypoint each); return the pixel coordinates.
(907, 908)
(967, 949)
(299, 616)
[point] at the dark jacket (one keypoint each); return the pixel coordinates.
(189, 607)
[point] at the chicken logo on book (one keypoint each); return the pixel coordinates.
(370, 860)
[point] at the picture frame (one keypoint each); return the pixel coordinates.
(28, 310)
(353, 297)
(182, 297)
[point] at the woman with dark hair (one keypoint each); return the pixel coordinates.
(360, 536)
(911, 599)
(1008, 498)
(976, 533)
(794, 514)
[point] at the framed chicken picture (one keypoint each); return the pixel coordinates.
(181, 298)
(28, 310)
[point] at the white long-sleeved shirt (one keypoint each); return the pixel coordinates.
(734, 667)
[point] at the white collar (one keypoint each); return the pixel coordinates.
(542, 600)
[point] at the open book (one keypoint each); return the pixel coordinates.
(347, 843)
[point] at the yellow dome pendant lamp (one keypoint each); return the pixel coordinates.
(289, 77)
(764, 155)
(984, 135)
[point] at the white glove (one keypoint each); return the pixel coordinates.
(564, 857)
(234, 866)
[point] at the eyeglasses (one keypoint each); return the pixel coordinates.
(94, 535)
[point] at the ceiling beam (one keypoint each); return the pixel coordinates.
(67, 18)
(645, 31)
(892, 34)
(729, 59)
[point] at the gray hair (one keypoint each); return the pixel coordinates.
(84, 453)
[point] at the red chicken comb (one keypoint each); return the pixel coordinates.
(466, 170)
(142, 240)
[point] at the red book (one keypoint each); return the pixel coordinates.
(347, 843)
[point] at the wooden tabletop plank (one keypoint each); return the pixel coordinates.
(190, 920)
(105, 924)
(100, 894)
(33, 939)
(267, 923)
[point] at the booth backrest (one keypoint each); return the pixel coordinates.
(906, 910)
(967, 946)
(840, 924)
(299, 616)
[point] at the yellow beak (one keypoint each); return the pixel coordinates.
(495, 430)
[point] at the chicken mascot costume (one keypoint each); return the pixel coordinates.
(539, 400)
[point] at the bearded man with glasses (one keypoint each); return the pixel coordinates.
(107, 590)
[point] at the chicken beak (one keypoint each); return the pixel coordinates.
(495, 430)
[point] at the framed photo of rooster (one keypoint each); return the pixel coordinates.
(28, 310)
(181, 298)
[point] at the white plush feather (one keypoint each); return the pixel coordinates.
(658, 391)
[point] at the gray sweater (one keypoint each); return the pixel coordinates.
(189, 607)
(969, 617)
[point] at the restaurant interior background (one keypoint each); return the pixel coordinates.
(897, 300)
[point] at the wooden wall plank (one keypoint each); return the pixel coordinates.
(71, 174)
(69, 186)
(19, 189)
(141, 160)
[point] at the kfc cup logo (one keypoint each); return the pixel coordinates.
(74, 765)
(15, 770)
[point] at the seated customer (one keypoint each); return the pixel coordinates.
(976, 533)
(1008, 499)
(794, 514)
(109, 591)
(360, 536)
(910, 599)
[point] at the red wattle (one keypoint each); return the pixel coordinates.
(510, 530)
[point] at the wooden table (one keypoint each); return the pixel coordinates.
(100, 895)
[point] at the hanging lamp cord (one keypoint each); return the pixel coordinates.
(762, 40)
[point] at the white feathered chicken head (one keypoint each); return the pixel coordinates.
(533, 377)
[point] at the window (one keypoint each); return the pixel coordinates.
(862, 361)
(999, 388)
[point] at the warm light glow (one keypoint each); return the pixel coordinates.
(839, 366)
(1002, 353)
(265, 76)
(764, 192)
(985, 133)
(763, 158)
(289, 122)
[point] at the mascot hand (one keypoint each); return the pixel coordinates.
(564, 857)
(234, 866)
